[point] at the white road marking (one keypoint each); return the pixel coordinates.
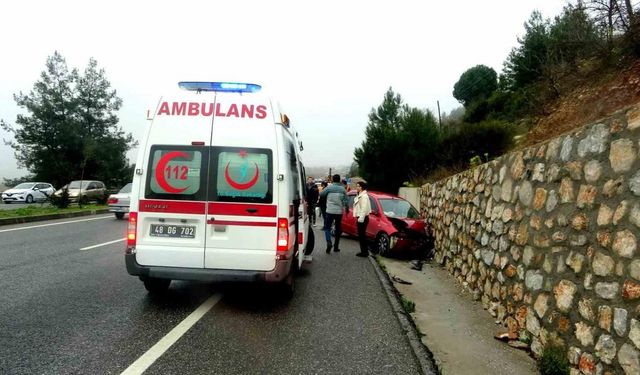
(103, 244)
(64, 222)
(147, 359)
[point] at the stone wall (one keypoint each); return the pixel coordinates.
(547, 239)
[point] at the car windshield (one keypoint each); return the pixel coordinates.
(125, 189)
(76, 184)
(398, 208)
(24, 185)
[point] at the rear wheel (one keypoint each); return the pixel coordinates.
(119, 215)
(382, 244)
(156, 286)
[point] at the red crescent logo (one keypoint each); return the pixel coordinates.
(162, 164)
(237, 185)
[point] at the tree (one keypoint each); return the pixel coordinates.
(70, 131)
(399, 144)
(475, 84)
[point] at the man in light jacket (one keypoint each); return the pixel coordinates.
(336, 198)
(361, 211)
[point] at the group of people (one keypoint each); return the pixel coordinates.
(332, 201)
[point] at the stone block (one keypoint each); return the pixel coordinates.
(622, 155)
(564, 293)
(592, 171)
(625, 244)
(586, 196)
(595, 142)
(566, 190)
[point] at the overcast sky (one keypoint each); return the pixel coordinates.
(328, 62)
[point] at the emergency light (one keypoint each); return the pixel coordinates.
(220, 86)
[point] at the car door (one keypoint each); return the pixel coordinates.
(348, 221)
(375, 218)
(38, 192)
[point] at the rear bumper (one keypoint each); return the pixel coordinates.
(279, 273)
(124, 209)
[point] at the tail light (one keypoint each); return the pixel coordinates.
(112, 201)
(283, 237)
(131, 231)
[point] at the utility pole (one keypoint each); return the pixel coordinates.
(439, 118)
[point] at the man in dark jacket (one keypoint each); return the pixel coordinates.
(312, 199)
(336, 197)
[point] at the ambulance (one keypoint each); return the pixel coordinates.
(218, 191)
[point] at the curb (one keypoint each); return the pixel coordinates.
(29, 219)
(420, 351)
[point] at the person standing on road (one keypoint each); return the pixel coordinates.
(312, 199)
(361, 211)
(336, 197)
(322, 202)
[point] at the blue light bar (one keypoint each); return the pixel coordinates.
(220, 86)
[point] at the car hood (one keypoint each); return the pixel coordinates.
(408, 224)
(15, 191)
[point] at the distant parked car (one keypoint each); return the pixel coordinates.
(119, 203)
(28, 192)
(87, 190)
(395, 226)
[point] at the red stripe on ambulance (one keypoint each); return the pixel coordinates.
(242, 209)
(208, 109)
(172, 207)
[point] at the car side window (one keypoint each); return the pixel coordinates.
(351, 198)
(374, 205)
(91, 186)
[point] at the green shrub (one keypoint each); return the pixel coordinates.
(485, 140)
(553, 360)
(61, 201)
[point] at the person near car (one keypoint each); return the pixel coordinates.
(312, 199)
(361, 211)
(322, 202)
(336, 197)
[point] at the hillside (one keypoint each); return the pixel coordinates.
(588, 103)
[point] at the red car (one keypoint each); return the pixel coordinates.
(394, 225)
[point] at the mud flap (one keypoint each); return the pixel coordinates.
(311, 241)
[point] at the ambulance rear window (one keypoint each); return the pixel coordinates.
(177, 173)
(241, 175)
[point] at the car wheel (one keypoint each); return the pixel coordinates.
(382, 244)
(156, 286)
(29, 199)
(119, 215)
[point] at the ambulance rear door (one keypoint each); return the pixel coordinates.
(242, 207)
(173, 190)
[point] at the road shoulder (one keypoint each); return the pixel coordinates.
(456, 329)
(31, 219)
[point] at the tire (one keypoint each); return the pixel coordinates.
(382, 244)
(83, 201)
(119, 215)
(156, 286)
(29, 199)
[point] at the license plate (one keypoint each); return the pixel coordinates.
(175, 231)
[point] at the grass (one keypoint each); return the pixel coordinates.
(41, 210)
(408, 305)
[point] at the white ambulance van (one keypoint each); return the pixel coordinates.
(219, 191)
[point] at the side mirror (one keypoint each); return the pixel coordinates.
(375, 213)
(35, 189)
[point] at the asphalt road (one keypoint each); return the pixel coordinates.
(64, 310)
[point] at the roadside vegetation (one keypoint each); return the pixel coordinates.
(69, 129)
(590, 44)
(46, 210)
